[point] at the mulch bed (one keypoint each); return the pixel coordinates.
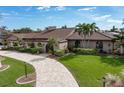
(30, 79)
(3, 67)
(118, 83)
(52, 56)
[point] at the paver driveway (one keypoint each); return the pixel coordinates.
(49, 72)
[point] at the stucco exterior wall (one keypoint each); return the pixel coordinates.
(63, 45)
(107, 45)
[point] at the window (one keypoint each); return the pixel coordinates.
(77, 43)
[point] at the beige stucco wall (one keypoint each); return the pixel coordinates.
(63, 45)
(92, 44)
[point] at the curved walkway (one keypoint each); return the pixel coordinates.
(49, 72)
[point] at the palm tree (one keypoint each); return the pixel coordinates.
(51, 45)
(86, 30)
(1, 59)
(93, 28)
(0, 63)
(83, 30)
(120, 38)
(113, 44)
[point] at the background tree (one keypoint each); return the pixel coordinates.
(23, 30)
(64, 27)
(3, 27)
(114, 29)
(38, 30)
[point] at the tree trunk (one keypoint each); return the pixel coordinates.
(84, 41)
(0, 64)
(113, 48)
(121, 49)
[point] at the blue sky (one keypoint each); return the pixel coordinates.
(43, 16)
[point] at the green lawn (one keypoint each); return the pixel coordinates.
(88, 70)
(9, 76)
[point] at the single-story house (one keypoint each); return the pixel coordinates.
(66, 38)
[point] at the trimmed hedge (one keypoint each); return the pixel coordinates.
(84, 51)
(26, 50)
(31, 50)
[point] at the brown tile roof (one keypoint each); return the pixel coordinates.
(1, 30)
(26, 35)
(94, 36)
(12, 38)
(15, 36)
(59, 34)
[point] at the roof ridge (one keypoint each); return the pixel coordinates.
(104, 34)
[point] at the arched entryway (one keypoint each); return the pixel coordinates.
(1, 45)
(47, 48)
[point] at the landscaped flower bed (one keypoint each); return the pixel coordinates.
(8, 77)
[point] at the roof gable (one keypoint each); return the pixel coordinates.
(94, 36)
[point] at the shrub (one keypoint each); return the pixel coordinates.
(31, 50)
(59, 52)
(21, 49)
(84, 51)
(35, 50)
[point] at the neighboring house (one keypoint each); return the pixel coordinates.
(66, 38)
(2, 37)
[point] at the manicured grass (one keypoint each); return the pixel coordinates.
(9, 76)
(88, 70)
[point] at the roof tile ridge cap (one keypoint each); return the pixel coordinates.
(104, 34)
(47, 31)
(71, 33)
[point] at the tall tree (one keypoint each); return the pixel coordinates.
(83, 30)
(113, 44)
(93, 28)
(86, 30)
(52, 43)
(64, 27)
(120, 39)
(3, 27)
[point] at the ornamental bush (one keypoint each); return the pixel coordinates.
(59, 53)
(84, 51)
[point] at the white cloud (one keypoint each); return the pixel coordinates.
(43, 8)
(87, 9)
(50, 17)
(28, 9)
(15, 13)
(4, 14)
(114, 21)
(100, 18)
(60, 8)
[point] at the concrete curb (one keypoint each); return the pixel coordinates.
(17, 81)
(5, 68)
